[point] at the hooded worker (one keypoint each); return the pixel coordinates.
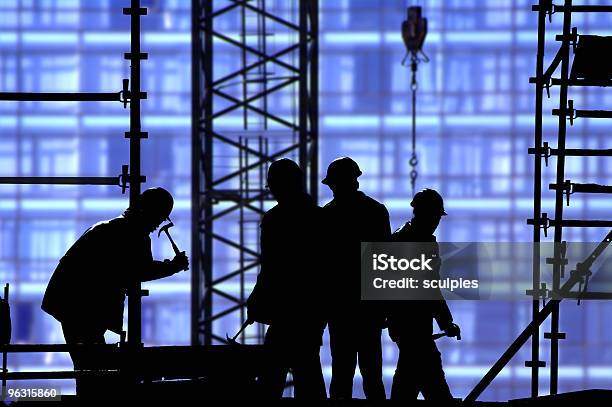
(86, 292)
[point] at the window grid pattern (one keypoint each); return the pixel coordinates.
(475, 123)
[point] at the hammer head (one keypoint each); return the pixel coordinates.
(165, 227)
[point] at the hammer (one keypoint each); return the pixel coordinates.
(174, 246)
(232, 341)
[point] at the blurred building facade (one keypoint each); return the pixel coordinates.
(475, 123)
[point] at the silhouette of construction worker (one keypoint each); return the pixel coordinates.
(355, 327)
(410, 322)
(87, 290)
(287, 295)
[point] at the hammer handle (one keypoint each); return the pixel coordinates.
(174, 246)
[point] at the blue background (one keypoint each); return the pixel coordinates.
(475, 124)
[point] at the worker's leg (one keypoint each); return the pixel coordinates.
(434, 381)
(344, 359)
(370, 362)
(308, 380)
(406, 377)
(274, 372)
(78, 332)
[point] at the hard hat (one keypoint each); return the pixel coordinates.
(157, 201)
(429, 200)
(341, 168)
(285, 172)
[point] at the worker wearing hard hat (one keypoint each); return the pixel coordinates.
(410, 322)
(355, 327)
(288, 293)
(86, 292)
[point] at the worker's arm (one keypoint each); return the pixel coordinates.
(160, 269)
(444, 317)
(384, 234)
(259, 302)
(151, 269)
(441, 312)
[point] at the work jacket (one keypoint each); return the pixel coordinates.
(413, 319)
(89, 284)
(352, 220)
(291, 289)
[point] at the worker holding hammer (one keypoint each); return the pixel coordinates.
(86, 292)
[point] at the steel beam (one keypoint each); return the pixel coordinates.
(229, 162)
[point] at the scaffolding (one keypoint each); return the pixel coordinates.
(263, 109)
(563, 189)
(130, 179)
